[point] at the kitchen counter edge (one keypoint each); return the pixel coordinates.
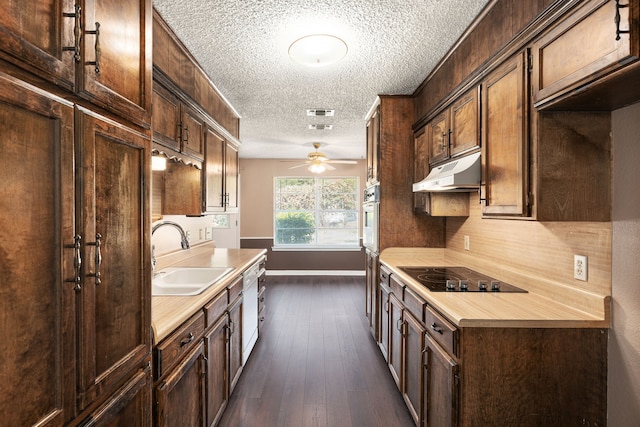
(169, 312)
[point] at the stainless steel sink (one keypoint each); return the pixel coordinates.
(184, 281)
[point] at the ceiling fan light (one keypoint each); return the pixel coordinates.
(317, 167)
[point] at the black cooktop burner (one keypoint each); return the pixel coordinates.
(457, 279)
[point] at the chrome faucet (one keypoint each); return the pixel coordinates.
(184, 242)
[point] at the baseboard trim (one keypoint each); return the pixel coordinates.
(315, 272)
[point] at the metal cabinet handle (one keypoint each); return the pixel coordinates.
(618, 18)
(97, 48)
(97, 258)
(77, 262)
(435, 328)
(77, 32)
(187, 340)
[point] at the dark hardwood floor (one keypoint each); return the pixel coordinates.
(315, 363)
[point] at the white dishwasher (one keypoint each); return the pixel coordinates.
(249, 310)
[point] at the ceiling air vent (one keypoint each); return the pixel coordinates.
(320, 112)
(320, 127)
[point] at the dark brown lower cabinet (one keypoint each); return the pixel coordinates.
(412, 372)
(180, 397)
(129, 406)
(234, 336)
(394, 354)
(217, 383)
(383, 335)
(440, 386)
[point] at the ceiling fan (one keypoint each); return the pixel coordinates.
(318, 162)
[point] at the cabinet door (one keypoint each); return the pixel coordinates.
(439, 138)
(231, 169)
(37, 302)
(180, 398)
(115, 72)
(441, 386)
(234, 337)
(383, 340)
(213, 171)
(192, 133)
(38, 36)
(421, 167)
(396, 329)
(373, 147)
(584, 47)
(412, 374)
(165, 120)
(465, 123)
(130, 405)
(371, 298)
(505, 140)
(217, 369)
(113, 217)
(182, 189)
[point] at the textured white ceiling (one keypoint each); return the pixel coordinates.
(242, 45)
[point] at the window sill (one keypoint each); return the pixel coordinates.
(316, 248)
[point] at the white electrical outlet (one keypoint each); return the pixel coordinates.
(201, 234)
(466, 242)
(580, 266)
(188, 233)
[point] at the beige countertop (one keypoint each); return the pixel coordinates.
(169, 312)
(479, 309)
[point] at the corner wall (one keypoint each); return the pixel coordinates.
(624, 337)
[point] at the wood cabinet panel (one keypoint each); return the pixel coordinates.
(234, 337)
(173, 348)
(465, 123)
(214, 171)
(180, 397)
(35, 36)
(192, 133)
(412, 374)
(505, 140)
(182, 189)
(113, 219)
(439, 137)
(115, 71)
(130, 405)
(373, 147)
(217, 369)
(166, 121)
(231, 169)
(441, 384)
(37, 303)
(583, 47)
(394, 354)
(371, 298)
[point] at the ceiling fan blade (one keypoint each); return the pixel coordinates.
(329, 167)
(298, 166)
(346, 162)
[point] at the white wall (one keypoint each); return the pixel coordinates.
(624, 338)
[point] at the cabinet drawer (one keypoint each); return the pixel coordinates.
(235, 289)
(445, 333)
(397, 287)
(215, 308)
(385, 277)
(174, 347)
(414, 304)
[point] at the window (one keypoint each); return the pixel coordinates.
(314, 212)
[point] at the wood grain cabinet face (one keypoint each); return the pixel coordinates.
(112, 217)
(217, 369)
(373, 147)
(234, 336)
(505, 145)
(441, 386)
(383, 336)
(45, 53)
(220, 173)
(412, 374)
(456, 130)
(584, 47)
(180, 397)
(38, 304)
(118, 75)
(371, 299)
(396, 328)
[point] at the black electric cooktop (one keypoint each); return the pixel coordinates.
(457, 279)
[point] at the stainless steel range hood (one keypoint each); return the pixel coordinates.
(462, 174)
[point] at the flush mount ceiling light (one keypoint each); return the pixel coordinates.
(318, 50)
